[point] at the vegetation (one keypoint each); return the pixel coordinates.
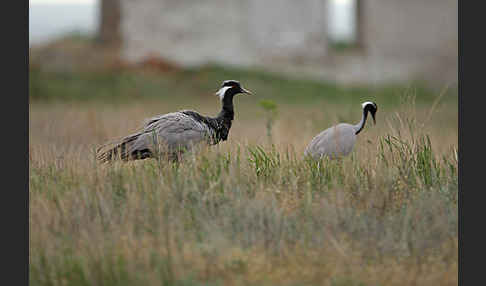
(247, 211)
(144, 84)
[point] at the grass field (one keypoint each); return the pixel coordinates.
(251, 210)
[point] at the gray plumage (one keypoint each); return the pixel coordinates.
(339, 140)
(172, 134)
(169, 134)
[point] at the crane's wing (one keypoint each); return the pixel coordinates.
(175, 130)
(169, 133)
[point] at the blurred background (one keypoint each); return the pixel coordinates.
(346, 41)
(113, 63)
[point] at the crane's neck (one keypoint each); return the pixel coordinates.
(361, 124)
(227, 111)
(223, 122)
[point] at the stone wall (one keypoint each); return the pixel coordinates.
(402, 40)
(224, 31)
(412, 37)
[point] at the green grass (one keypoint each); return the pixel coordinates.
(342, 46)
(129, 85)
(248, 211)
(239, 216)
(216, 203)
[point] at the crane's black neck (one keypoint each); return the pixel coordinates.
(221, 124)
(361, 124)
(225, 117)
(227, 111)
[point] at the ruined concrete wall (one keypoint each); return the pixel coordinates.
(402, 40)
(288, 30)
(225, 31)
(412, 39)
(184, 31)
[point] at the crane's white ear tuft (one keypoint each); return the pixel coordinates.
(221, 92)
(366, 103)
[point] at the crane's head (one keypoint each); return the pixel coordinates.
(231, 88)
(371, 107)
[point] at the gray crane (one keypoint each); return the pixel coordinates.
(174, 133)
(339, 140)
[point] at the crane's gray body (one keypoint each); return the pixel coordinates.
(171, 132)
(167, 135)
(334, 142)
(338, 141)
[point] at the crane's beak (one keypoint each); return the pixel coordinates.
(246, 91)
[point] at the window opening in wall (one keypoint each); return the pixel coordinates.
(344, 24)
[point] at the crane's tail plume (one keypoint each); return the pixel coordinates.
(123, 149)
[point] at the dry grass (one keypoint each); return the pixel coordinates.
(233, 215)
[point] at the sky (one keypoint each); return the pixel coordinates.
(64, 1)
(49, 19)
